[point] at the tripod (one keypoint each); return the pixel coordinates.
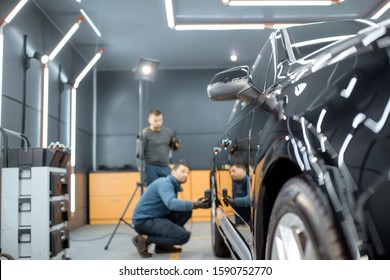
(142, 183)
(141, 186)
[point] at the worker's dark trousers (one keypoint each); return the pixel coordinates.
(167, 231)
(154, 172)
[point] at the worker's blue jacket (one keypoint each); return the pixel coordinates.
(159, 199)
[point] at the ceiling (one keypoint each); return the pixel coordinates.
(132, 29)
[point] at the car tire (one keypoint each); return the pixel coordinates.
(301, 225)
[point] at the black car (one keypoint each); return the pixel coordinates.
(311, 117)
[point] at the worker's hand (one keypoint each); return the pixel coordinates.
(175, 143)
(201, 203)
(229, 201)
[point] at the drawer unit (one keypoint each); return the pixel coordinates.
(34, 214)
(109, 193)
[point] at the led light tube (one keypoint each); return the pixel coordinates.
(87, 68)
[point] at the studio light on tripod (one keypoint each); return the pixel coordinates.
(145, 72)
(146, 69)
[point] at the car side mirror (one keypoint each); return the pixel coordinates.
(232, 84)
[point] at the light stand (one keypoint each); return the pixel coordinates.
(145, 71)
(142, 174)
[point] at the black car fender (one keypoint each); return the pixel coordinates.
(271, 172)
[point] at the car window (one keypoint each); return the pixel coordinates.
(238, 106)
(281, 50)
(261, 67)
(270, 73)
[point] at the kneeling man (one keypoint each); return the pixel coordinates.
(159, 216)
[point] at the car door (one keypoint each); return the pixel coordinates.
(234, 146)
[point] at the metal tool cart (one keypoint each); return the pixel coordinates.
(34, 201)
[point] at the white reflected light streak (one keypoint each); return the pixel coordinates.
(376, 127)
(320, 120)
(297, 155)
(372, 36)
(320, 41)
(343, 55)
(346, 93)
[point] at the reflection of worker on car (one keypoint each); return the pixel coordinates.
(240, 190)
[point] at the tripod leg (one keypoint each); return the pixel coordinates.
(121, 218)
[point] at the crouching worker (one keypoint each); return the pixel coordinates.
(159, 216)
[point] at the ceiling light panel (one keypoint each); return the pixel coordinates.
(281, 2)
(218, 16)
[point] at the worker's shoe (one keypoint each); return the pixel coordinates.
(161, 249)
(142, 246)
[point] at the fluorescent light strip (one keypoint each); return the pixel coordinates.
(254, 26)
(171, 23)
(1, 70)
(87, 68)
(73, 96)
(45, 105)
(72, 192)
(383, 10)
(65, 39)
(73, 127)
(169, 12)
(91, 23)
(280, 3)
(215, 26)
(15, 10)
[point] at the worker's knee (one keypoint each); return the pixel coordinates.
(185, 237)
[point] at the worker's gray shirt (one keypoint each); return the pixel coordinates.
(157, 145)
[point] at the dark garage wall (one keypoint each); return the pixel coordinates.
(42, 36)
(182, 98)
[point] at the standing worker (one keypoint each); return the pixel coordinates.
(159, 216)
(158, 141)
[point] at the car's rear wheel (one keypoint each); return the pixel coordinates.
(301, 226)
(219, 247)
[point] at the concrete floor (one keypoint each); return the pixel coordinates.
(88, 243)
